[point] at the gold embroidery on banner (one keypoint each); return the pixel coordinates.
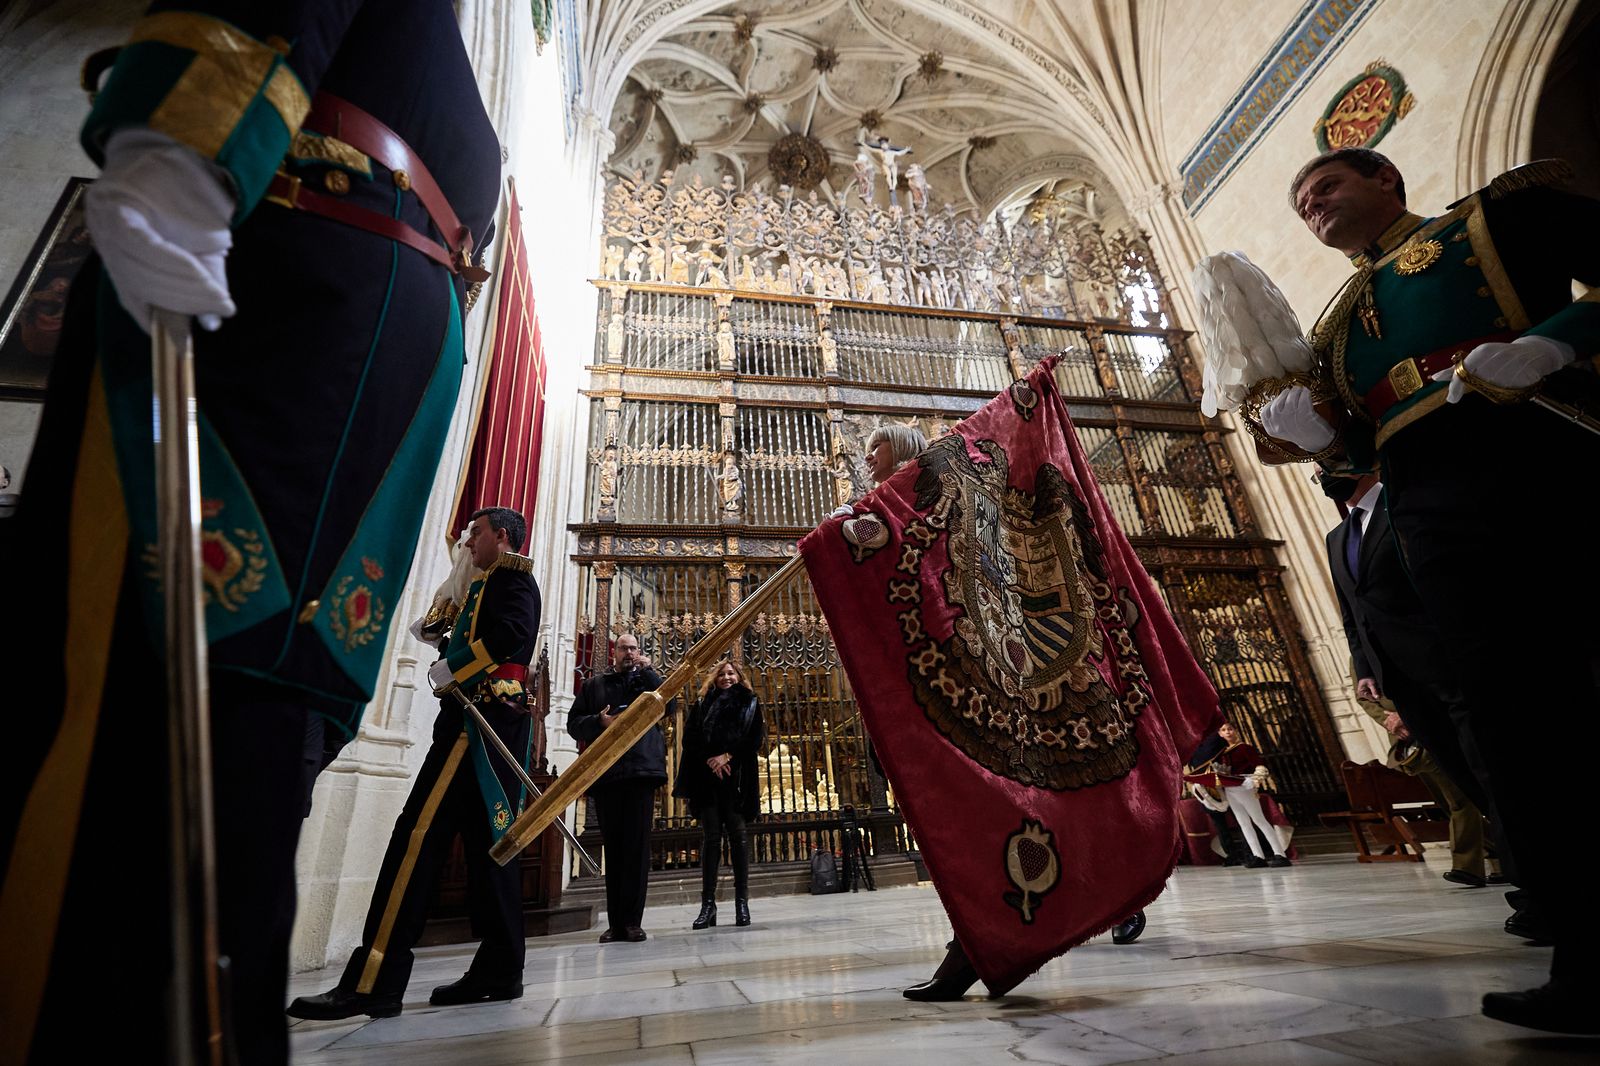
(355, 616)
(231, 572)
(1418, 257)
(1033, 867)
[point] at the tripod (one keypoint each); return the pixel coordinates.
(854, 846)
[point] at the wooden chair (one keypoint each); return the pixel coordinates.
(1396, 809)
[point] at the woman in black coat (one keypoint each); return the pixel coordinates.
(717, 775)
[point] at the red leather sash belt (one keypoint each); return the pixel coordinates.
(338, 118)
(510, 672)
(1409, 376)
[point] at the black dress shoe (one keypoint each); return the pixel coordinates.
(634, 935)
(949, 982)
(1128, 930)
(1279, 861)
(1529, 924)
(1255, 863)
(611, 936)
(741, 912)
(707, 915)
(1461, 877)
(1550, 1008)
(339, 1003)
(472, 989)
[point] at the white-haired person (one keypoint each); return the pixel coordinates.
(889, 448)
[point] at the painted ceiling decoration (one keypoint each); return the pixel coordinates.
(810, 96)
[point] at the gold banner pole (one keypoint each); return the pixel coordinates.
(640, 717)
(194, 995)
(516, 766)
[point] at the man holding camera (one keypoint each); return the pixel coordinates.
(624, 797)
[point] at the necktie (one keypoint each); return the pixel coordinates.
(1352, 545)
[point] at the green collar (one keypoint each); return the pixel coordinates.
(1388, 240)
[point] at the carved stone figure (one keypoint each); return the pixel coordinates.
(658, 262)
(917, 185)
(680, 268)
(730, 486)
(888, 159)
(877, 288)
(611, 267)
(635, 261)
(865, 172)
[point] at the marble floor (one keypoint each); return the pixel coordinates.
(1329, 963)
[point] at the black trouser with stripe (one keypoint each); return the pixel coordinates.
(446, 800)
(626, 809)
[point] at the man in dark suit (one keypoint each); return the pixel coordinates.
(1393, 643)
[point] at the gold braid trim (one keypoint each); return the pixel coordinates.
(1530, 176)
(510, 561)
(1330, 336)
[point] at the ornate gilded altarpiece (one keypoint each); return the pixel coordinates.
(746, 346)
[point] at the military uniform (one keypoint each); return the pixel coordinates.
(462, 788)
(323, 405)
(1491, 503)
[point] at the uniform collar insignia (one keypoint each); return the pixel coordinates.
(1388, 240)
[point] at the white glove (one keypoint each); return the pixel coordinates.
(159, 216)
(416, 631)
(844, 510)
(1520, 364)
(1289, 416)
(1258, 780)
(440, 676)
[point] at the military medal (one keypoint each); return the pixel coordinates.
(1367, 312)
(1418, 257)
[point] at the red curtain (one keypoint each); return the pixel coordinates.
(503, 466)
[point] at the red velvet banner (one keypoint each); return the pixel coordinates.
(503, 467)
(1027, 691)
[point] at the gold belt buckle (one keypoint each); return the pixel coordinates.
(290, 201)
(1406, 378)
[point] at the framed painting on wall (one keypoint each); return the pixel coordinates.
(31, 315)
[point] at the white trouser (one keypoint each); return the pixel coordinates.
(1246, 807)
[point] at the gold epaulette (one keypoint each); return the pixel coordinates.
(1530, 175)
(522, 564)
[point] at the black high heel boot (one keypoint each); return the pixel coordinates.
(708, 914)
(950, 981)
(741, 912)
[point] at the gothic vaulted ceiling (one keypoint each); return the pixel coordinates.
(778, 92)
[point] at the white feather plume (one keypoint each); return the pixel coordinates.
(1248, 330)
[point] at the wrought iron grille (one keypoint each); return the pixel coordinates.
(1111, 470)
(668, 460)
(920, 350)
(1144, 368)
(1075, 371)
(776, 339)
(784, 454)
(1188, 489)
(669, 331)
(1240, 646)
